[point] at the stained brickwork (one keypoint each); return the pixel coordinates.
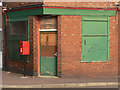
(71, 50)
(35, 44)
(59, 50)
(119, 42)
(82, 4)
(20, 4)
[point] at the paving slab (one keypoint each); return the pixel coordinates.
(97, 84)
(54, 86)
(29, 86)
(15, 80)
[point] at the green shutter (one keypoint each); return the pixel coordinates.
(95, 48)
(95, 39)
(95, 18)
(25, 18)
(95, 28)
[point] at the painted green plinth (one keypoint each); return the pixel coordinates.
(48, 66)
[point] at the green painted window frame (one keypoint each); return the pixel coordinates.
(94, 18)
(17, 38)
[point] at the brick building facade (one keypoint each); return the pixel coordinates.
(84, 35)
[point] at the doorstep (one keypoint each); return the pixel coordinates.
(48, 77)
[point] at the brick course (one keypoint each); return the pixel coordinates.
(82, 4)
(20, 4)
(35, 44)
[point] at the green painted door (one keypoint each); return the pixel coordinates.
(48, 59)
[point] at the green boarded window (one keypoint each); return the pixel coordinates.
(95, 39)
(18, 28)
(18, 31)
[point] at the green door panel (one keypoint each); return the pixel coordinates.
(48, 66)
(94, 28)
(94, 49)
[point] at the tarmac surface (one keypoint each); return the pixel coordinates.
(15, 80)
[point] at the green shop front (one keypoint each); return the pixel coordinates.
(39, 25)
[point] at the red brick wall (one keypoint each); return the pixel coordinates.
(70, 4)
(35, 44)
(59, 48)
(70, 53)
(119, 42)
(82, 4)
(20, 4)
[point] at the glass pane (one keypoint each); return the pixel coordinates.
(48, 44)
(43, 39)
(48, 22)
(52, 39)
(18, 28)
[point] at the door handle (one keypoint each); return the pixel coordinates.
(84, 42)
(47, 40)
(55, 54)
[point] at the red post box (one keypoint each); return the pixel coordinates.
(24, 48)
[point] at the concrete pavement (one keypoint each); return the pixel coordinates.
(66, 85)
(14, 80)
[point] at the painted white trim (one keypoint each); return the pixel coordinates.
(0, 29)
(0, 4)
(0, 60)
(47, 29)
